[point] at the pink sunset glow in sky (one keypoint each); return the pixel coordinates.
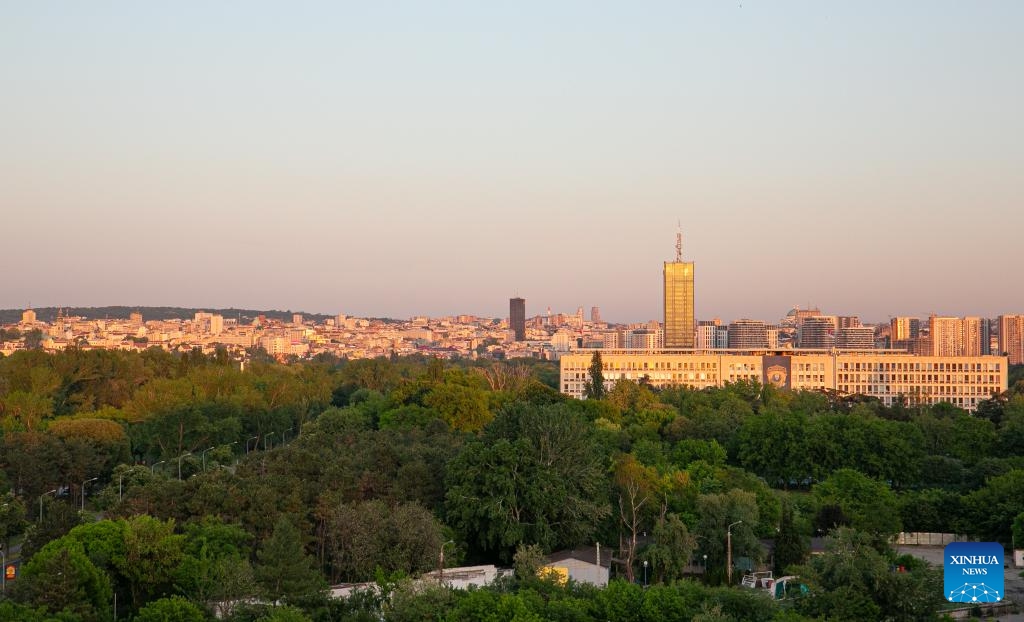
(395, 159)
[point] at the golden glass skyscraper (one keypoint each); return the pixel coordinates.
(680, 327)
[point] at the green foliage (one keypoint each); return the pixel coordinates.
(932, 510)
(58, 518)
(527, 561)
(387, 447)
(869, 505)
(537, 476)
(12, 518)
(594, 387)
(993, 508)
(791, 546)
(284, 614)
(171, 609)
(716, 512)
(671, 551)
(775, 446)
(365, 536)
(60, 578)
(284, 570)
(151, 559)
(852, 580)
(462, 408)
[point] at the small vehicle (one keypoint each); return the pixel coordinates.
(779, 589)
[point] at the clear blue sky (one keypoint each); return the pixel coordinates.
(401, 158)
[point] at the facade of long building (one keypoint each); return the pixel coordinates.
(888, 376)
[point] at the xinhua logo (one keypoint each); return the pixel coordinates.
(973, 572)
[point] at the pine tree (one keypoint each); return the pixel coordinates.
(594, 388)
(284, 570)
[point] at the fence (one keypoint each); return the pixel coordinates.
(924, 538)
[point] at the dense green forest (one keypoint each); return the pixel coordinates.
(159, 486)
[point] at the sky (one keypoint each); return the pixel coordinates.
(391, 159)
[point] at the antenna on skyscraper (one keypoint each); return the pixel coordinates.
(679, 242)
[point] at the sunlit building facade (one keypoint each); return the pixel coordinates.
(954, 336)
(679, 321)
(1011, 338)
(748, 334)
(892, 377)
(856, 338)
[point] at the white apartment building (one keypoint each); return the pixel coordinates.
(886, 375)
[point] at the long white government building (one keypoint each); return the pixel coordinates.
(888, 375)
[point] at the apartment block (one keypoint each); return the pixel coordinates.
(889, 376)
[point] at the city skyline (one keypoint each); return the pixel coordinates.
(391, 161)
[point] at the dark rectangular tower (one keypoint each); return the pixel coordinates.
(517, 317)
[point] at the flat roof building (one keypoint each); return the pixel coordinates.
(856, 338)
(748, 334)
(1011, 338)
(517, 317)
(887, 375)
(679, 319)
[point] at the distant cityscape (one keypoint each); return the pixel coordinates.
(962, 360)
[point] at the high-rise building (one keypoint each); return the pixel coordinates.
(748, 335)
(1011, 338)
(517, 317)
(28, 316)
(818, 332)
(722, 337)
(595, 314)
(644, 339)
(796, 316)
(707, 334)
(679, 321)
(902, 329)
(847, 321)
(954, 336)
(856, 338)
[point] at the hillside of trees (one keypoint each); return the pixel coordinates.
(179, 487)
(49, 314)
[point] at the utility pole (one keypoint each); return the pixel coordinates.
(728, 551)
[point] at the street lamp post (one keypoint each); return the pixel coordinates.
(440, 562)
(705, 571)
(155, 465)
(203, 454)
(51, 492)
(645, 573)
(187, 453)
(83, 490)
(120, 481)
(728, 551)
(3, 570)
(284, 436)
(255, 445)
(269, 434)
(229, 445)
